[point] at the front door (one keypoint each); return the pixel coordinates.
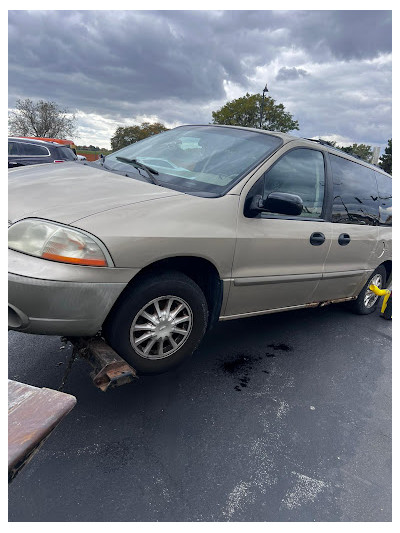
(279, 259)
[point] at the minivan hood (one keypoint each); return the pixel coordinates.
(67, 192)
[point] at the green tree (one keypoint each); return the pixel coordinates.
(246, 111)
(386, 158)
(41, 119)
(363, 151)
(132, 134)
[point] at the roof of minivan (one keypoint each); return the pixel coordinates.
(311, 142)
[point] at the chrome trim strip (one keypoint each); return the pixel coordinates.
(345, 274)
(22, 156)
(261, 280)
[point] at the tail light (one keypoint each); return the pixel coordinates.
(59, 161)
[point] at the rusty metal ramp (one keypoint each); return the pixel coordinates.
(33, 413)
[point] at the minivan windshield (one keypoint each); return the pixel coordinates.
(202, 160)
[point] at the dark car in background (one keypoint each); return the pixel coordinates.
(23, 151)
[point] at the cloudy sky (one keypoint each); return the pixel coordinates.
(331, 69)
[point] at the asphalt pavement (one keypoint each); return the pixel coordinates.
(282, 417)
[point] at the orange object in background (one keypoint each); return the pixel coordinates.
(90, 157)
(71, 144)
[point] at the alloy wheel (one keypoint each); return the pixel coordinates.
(161, 327)
(370, 297)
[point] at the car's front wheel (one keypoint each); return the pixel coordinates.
(158, 322)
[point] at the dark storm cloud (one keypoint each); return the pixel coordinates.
(125, 56)
(173, 64)
(290, 73)
(343, 34)
(128, 56)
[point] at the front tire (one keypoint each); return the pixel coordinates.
(158, 322)
(367, 301)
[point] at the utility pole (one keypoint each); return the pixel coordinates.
(265, 90)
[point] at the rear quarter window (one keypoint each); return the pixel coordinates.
(355, 193)
(65, 153)
(385, 199)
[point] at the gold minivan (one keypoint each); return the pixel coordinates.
(156, 242)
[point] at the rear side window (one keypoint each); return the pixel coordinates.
(13, 148)
(302, 172)
(65, 153)
(32, 149)
(385, 199)
(355, 193)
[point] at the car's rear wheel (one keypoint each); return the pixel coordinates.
(158, 322)
(367, 300)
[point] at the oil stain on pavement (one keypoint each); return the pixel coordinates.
(241, 365)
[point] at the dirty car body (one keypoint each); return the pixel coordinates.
(230, 222)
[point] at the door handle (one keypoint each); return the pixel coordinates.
(317, 238)
(344, 238)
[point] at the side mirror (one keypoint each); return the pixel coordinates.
(276, 202)
(283, 203)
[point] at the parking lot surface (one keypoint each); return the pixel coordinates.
(282, 417)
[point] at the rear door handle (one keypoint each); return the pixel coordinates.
(317, 238)
(344, 238)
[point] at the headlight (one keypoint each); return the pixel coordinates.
(50, 240)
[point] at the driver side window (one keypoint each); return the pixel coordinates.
(302, 172)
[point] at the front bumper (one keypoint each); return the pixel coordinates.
(50, 298)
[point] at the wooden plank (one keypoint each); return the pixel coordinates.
(33, 414)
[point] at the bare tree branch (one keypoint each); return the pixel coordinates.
(41, 119)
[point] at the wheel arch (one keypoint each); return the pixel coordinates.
(200, 270)
(388, 267)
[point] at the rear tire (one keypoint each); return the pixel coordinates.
(158, 322)
(367, 301)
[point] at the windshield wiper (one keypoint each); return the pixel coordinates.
(149, 171)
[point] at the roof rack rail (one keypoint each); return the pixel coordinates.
(325, 143)
(320, 141)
